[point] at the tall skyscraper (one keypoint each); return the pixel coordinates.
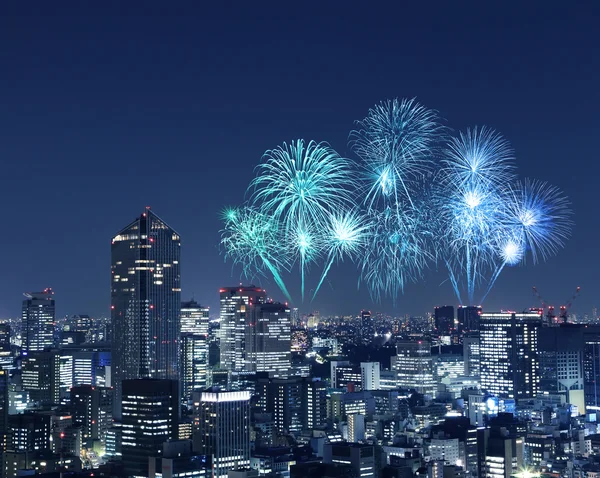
(370, 375)
(222, 429)
(146, 302)
(471, 354)
(468, 317)
(508, 348)
(38, 321)
(413, 365)
(235, 305)
(444, 319)
(150, 418)
(194, 318)
(194, 364)
(268, 340)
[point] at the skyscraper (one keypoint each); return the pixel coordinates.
(444, 319)
(413, 365)
(150, 418)
(268, 340)
(194, 364)
(146, 302)
(235, 302)
(222, 429)
(468, 317)
(194, 318)
(38, 321)
(508, 348)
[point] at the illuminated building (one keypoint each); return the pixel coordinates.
(356, 427)
(471, 354)
(146, 302)
(370, 375)
(367, 325)
(223, 429)
(299, 340)
(268, 340)
(508, 347)
(149, 418)
(235, 303)
(413, 365)
(314, 394)
(92, 411)
(194, 318)
(282, 397)
(40, 375)
(28, 432)
(38, 321)
(194, 364)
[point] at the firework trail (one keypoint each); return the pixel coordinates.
(345, 237)
(252, 240)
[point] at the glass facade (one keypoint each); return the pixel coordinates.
(146, 302)
(235, 302)
(38, 321)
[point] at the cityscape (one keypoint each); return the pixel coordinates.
(269, 304)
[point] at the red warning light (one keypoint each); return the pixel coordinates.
(112, 307)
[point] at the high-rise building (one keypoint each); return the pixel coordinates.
(193, 364)
(38, 321)
(282, 397)
(314, 393)
(235, 307)
(268, 340)
(5, 333)
(149, 418)
(146, 302)
(413, 365)
(356, 427)
(28, 431)
(194, 318)
(367, 325)
(471, 354)
(508, 347)
(444, 319)
(370, 375)
(222, 429)
(40, 375)
(468, 317)
(92, 411)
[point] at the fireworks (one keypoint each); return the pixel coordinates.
(413, 198)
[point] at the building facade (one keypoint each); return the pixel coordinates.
(38, 321)
(145, 302)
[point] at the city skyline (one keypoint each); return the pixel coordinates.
(185, 135)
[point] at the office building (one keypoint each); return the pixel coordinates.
(444, 319)
(360, 457)
(268, 340)
(314, 392)
(38, 321)
(194, 318)
(500, 453)
(145, 302)
(508, 347)
(28, 431)
(413, 365)
(222, 429)
(92, 411)
(344, 375)
(40, 375)
(356, 427)
(149, 418)
(194, 364)
(471, 354)
(282, 397)
(235, 303)
(367, 325)
(370, 375)
(5, 333)
(468, 317)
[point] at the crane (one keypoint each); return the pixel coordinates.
(551, 317)
(564, 309)
(549, 309)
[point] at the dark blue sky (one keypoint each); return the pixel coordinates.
(103, 112)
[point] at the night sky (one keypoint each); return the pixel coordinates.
(104, 112)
